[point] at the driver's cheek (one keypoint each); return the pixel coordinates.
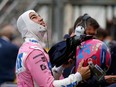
(94, 31)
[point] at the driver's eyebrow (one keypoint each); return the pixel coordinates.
(33, 15)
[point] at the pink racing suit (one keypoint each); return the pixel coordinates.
(33, 68)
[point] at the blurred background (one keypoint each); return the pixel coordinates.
(60, 15)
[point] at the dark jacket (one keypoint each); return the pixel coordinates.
(112, 69)
(8, 54)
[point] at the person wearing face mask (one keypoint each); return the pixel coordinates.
(110, 77)
(8, 54)
(33, 68)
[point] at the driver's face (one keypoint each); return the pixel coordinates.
(91, 31)
(36, 18)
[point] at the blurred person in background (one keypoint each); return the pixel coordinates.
(101, 34)
(104, 36)
(17, 41)
(71, 31)
(8, 54)
(33, 65)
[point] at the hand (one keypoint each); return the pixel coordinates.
(110, 79)
(84, 71)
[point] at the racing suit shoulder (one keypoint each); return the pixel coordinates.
(23, 54)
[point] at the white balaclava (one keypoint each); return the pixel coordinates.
(30, 29)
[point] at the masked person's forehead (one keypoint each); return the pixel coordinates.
(25, 15)
(28, 12)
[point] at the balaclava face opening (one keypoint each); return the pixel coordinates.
(29, 28)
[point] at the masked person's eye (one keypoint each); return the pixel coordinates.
(33, 17)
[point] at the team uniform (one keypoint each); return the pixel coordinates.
(33, 67)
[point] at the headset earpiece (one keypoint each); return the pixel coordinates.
(85, 17)
(81, 27)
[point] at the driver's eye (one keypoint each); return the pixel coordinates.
(33, 17)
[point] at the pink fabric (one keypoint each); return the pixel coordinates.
(61, 77)
(93, 50)
(36, 67)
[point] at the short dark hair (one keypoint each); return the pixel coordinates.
(102, 33)
(90, 21)
(71, 30)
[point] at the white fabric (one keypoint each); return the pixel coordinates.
(57, 71)
(67, 81)
(31, 40)
(30, 29)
